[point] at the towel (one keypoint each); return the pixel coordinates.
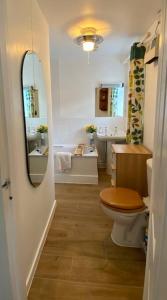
(63, 161)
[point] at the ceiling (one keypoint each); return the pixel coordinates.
(120, 21)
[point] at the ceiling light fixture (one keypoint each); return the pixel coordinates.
(89, 39)
(88, 45)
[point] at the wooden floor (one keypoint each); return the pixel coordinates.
(79, 260)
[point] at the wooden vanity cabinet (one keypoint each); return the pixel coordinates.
(129, 167)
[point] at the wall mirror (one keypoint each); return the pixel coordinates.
(109, 100)
(35, 117)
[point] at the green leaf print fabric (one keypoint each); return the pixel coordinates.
(136, 95)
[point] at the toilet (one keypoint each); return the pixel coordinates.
(128, 210)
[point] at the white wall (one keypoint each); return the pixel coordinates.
(5, 283)
(151, 78)
(5, 274)
(73, 89)
(30, 207)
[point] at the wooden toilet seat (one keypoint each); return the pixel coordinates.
(122, 199)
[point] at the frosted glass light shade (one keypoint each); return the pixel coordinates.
(88, 45)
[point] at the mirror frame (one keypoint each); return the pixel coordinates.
(97, 99)
(24, 121)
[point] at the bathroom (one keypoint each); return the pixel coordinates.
(57, 234)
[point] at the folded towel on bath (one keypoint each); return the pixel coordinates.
(63, 161)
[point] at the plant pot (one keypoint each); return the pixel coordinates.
(44, 138)
(91, 138)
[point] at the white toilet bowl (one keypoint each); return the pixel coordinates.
(128, 228)
(128, 212)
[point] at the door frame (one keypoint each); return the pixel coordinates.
(8, 277)
(6, 290)
(156, 265)
(12, 288)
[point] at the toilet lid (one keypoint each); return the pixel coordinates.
(121, 198)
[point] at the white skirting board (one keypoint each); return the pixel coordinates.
(39, 249)
(76, 179)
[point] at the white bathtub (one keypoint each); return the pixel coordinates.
(83, 170)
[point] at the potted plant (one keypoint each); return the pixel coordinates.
(43, 131)
(91, 130)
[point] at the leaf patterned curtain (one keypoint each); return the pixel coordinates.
(136, 95)
(31, 103)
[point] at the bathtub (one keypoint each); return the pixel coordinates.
(83, 169)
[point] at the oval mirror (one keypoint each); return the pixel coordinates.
(35, 117)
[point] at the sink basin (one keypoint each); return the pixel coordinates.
(111, 137)
(90, 151)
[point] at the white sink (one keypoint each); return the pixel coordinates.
(103, 137)
(90, 151)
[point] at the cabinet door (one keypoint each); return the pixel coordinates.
(132, 172)
(101, 148)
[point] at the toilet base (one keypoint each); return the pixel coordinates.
(125, 243)
(129, 236)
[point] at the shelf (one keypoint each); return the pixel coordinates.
(130, 149)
